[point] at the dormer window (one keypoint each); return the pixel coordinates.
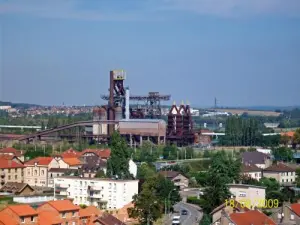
(22, 219)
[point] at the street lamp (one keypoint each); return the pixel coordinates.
(168, 199)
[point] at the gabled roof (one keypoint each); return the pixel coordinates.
(63, 205)
(14, 187)
(7, 219)
(103, 153)
(246, 168)
(107, 219)
(279, 167)
(49, 218)
(89, 211)
(253, 217)
(12, 151)
(9, 164)
(71, 153)
(22, 210)
(289, 133)
(72, 161)
(169, 174)
(254, 157)
(41, 161)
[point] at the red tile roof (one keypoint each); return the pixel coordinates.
(89, 212)
(49, 218)
(72, 161)
(9, 164)
(42, 161)
(23, 210)
(296, 208)
(253, 217)
(6, 219)
(12, 151)
(63, 205)
(107, 219)
(71, 153)
(280, 167)
(103, 153)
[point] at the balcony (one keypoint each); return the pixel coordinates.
(61, 186)
(94, 188)
(61, 193)
(95, 196)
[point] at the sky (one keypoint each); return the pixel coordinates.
(243, 52)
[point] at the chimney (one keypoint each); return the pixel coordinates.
(127, 117)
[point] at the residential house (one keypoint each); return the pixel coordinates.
(122, 214)
(11, 157)
(71, 153)
(251, 170)
(102, 193)
(12, 151)
(89, 214)
(284, 174)
(65, 211)
(59, 162)
(217, 212)
(10, 171)
(248, 194)
(19, 214)
(259, 159)
(15, 188)
(287, 214)
(91, 165)
(253, 217)
(102, 153)
(177, 178)
(108, 219)
(58, 172)
(36, 172)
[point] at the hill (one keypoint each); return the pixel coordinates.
(17, 105)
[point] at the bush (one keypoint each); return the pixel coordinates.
(194, 200)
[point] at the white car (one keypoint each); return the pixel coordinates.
(176, 220)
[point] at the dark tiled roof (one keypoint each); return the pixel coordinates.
(108, 219)
(254, 157)
(93, 163)
(280, 167)
(14, 187)
(169, 174)
(250, 168)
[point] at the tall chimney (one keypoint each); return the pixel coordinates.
(127, 117)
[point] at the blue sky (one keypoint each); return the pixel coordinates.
(243, 52)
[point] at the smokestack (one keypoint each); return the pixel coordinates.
(127, 104)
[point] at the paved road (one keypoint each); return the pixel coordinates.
(190, 218)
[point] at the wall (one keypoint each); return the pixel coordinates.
(181, 181)
(255, 195)
(36, 176)
(15, 217)
(32, 199)
(254, 175)
(117, 193)
(12, 175)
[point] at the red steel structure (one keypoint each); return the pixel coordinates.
(180, 126)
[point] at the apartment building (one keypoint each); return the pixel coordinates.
(284, 174)
(10, 171)
(102, 193)
(36, 172)
(19, 214)
(63, 210)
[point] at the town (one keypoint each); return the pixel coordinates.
(161, 112)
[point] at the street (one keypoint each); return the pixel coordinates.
(190, 218)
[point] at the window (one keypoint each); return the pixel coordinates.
(292, 217)
(22, 219)
(42, 172)
(9, 177)
(9, 170)
(16, 177)
(63, 215)
(32, 219)
(35, 172)
(28, 171)
(51, 175)
(282, 180)
(67, 223)
(73, 214)
(16, 170)
(242, 194)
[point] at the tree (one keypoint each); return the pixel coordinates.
(147, 153)
(145, 171)
(201, 178)
(283, 154)
(118, 163)
(206, 219)
(170, 152)
(296, 137)
(298, 177)
(224, 170)
(100, 174)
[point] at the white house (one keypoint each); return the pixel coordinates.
(102, 193)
